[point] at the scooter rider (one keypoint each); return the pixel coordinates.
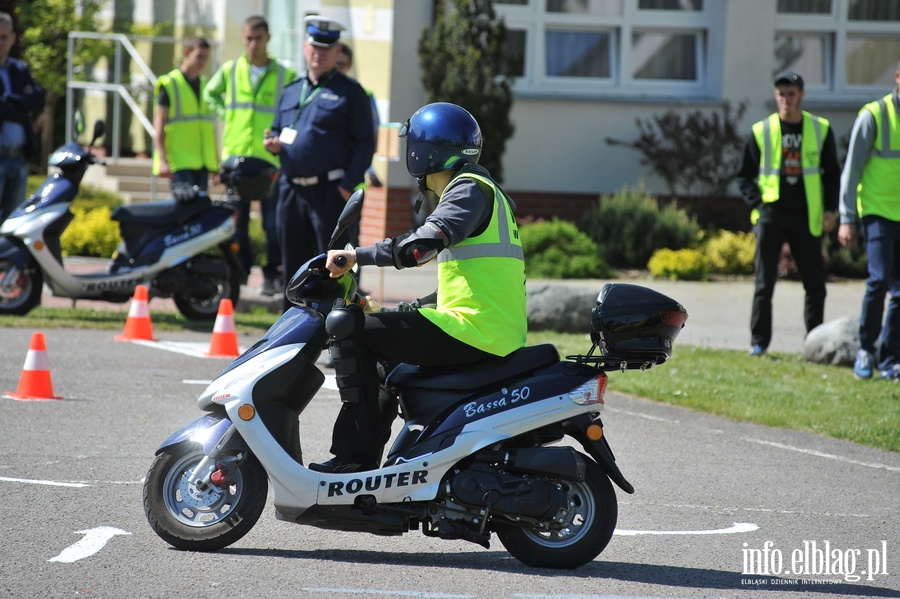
(480, 311)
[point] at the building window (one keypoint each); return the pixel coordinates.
(661, 55)
(613, 47)
(578, 54)
(843, 48)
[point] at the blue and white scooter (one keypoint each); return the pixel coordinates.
(179, 247)
(479, 452)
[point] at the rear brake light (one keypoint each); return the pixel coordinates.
(673, 318)
(591, 392)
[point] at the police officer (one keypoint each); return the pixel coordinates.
(480, 302)
(323, 133)
(244, 93)
(790, 178)
(185, 133)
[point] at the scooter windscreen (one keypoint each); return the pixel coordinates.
(312, 283)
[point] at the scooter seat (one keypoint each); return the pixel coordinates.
(163, 212)
(472, 376)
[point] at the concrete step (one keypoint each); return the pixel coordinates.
(130, 167)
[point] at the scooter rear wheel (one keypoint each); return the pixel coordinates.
(188, 516)
(592, 516)
(20, 289)
(194, 308)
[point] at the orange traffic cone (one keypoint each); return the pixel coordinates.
(224, 343)
(138, 326)
(35, 382)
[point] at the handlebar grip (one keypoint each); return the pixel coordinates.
(341, 261)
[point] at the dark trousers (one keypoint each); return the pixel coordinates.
(771, 234)
(363, 427)
(198, 177)
(306, 217)
(883, 253)
(269, 208)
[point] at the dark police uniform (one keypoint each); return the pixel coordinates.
(332, 148)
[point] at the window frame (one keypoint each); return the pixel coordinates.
(536, 21)
(837, 27)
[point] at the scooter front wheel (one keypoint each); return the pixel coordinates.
(206, 514)
(590, 522)
(20, 289)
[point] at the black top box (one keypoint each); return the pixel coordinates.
(636, 324)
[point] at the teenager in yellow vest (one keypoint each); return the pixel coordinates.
(479, 310)
(789, 176)
(870, 190)
(184, 131)
(244, 93)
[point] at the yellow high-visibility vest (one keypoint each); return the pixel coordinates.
(481, 283)
(250, 111)
(190, 131)
(878, 192)
(768, 137)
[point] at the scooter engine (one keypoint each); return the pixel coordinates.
(484, 486)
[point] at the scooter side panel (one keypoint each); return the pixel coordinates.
(14, 250)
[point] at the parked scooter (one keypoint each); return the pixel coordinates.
(478, 453)
(180, 247)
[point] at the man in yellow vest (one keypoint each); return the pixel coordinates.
(870, 190)
(244, 93)
(789, 176)
(480, 302)
(184, 131)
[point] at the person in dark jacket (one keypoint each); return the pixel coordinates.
(21, 100)
(790, 177)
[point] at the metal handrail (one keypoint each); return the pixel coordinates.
(122, 92)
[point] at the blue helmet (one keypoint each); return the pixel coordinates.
(440, 137)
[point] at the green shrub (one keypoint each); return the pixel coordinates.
(730, 253)
(556, 249)
(630, 225)
(91, 233)
(682, 265)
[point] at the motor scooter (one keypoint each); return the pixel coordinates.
(180, 247)
(480, 452)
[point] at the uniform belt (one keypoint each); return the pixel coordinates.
(12, 152)
(315, 180)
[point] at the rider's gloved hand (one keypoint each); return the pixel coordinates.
(185, 192)
(408, 306)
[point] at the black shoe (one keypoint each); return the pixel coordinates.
(339, 466)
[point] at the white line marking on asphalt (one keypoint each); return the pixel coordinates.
(389, 592)
(50, 483)
(821, 454)
(188, 348)
(94, 540)
(737, 528)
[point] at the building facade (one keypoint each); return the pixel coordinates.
(590, 68)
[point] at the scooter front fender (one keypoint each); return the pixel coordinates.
(599, 450)
(14, 250)
(205, 431)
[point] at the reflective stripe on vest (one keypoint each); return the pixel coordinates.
(481, 283)
(877, 192)
(190, 133)
(768, 138)
(247, 116)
